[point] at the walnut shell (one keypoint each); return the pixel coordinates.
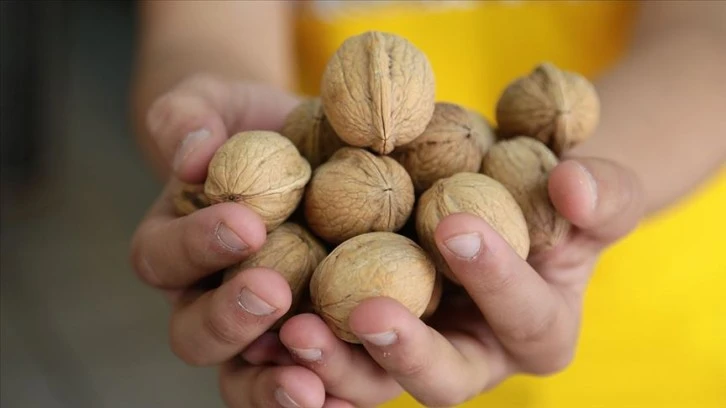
(378, 91)
(294, 253)
(189, 198)
(309, 130)
(446, 147)
(560, 108)
(522, 165)
(371, 265)
(475, 194)
(482, 130)
(262, 170)
(436, 296)
(357, 192)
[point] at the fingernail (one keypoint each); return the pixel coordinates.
(229, 239)
(309, 354)
(190, 142)
(464, 246)
(380, 339)
(253, 304)
(591, 184)
(283, 398)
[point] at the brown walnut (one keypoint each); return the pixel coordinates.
(522, 165)
(309, 130)
(371, 265)
(378, 91)
(558, 107)
(447, 146)
(436, 296)
(189, 198)
(483, 130)
(475, 194)
(262, 170)
(293, 252)
(357, 192)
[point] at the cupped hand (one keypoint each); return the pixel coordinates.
(210, 322)
(511, 316)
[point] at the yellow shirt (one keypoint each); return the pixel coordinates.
(654, 326)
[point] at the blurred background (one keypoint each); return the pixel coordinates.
(78, 330)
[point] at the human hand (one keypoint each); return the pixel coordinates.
(181, 255)
(510, 316)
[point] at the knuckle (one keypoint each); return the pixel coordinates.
(178, 110)
(158, 112)
(501, 280)
(187, 355)
(193, 356)
(223, 329)
(199, 246)
(333, 382)
(141, 265)
(411, 366)
(533, 334)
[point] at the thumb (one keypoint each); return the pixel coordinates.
(190, 122)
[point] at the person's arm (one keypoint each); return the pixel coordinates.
(245, 40)
(664, 105)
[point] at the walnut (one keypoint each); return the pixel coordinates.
(294, 253)
(482, 130)
(476, 194)
(560, 108)
(262, 170)
(309, 130)
(366, 266)
(447, 146)
(357, 192)
(522, 165)
(378, 91)
(436, 296)
(189, 198)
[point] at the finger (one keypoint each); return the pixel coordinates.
(261, 386)
(171, 253)
(267, 349)
(192, 121)
(529, 317)
(426, 364)
(603, 199)
(224, 321)
(332, 402)
(347, 372)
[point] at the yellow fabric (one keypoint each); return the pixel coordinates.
(654, 326)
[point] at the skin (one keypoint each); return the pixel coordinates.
(225, 81)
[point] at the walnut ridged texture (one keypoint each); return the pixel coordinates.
(475, 194)
(522, 165)
(292, 251)
(482, 130)
(436, 297)
(371, 265)
(378, 91)
(356, 192)
(447, 146)
(559, 108)
(262, 170)
(189, 198)
(309, 130)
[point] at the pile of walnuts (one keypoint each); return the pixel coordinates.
(354, 185)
